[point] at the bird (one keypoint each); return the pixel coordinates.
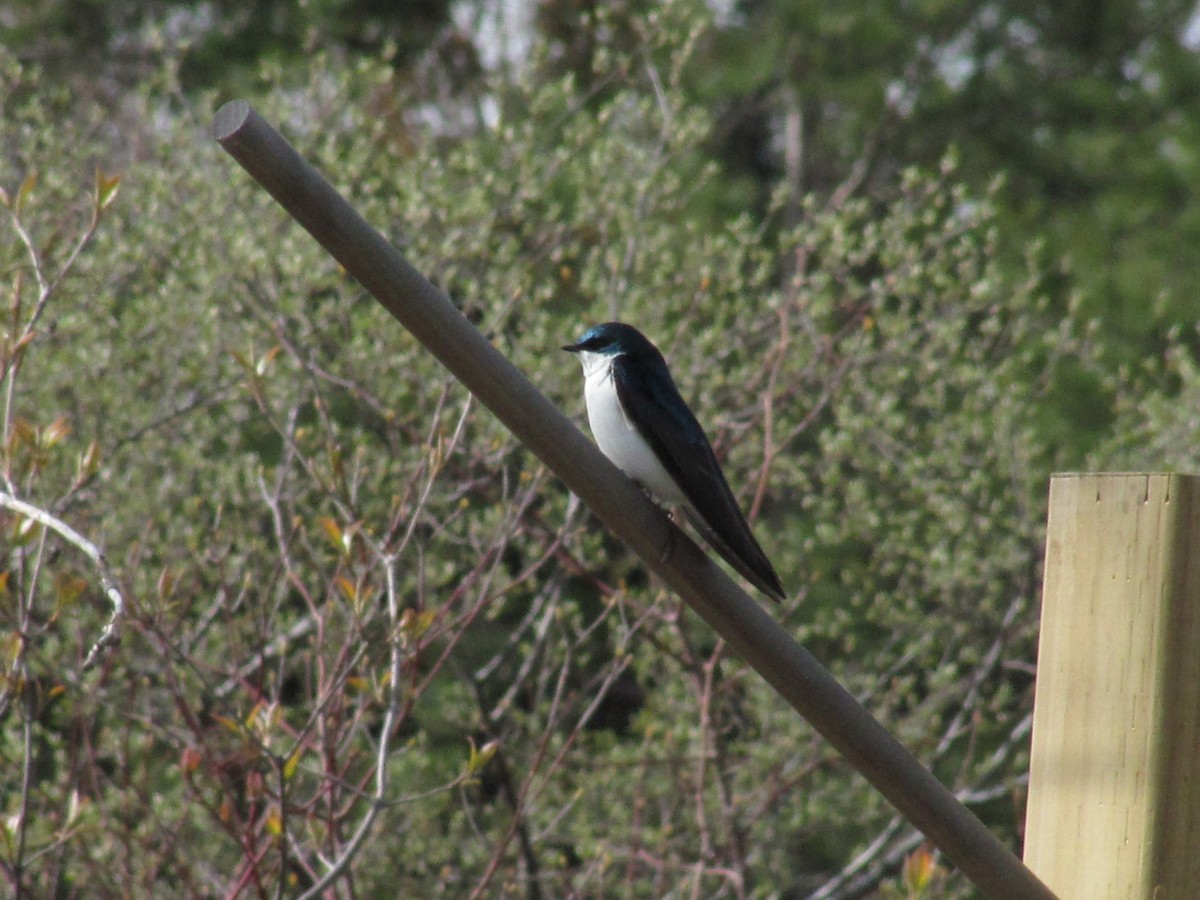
(642, 424)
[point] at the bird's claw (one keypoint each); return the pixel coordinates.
(669, 548)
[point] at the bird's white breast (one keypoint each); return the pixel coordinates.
(617, 437)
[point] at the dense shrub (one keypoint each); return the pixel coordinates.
(334, 558)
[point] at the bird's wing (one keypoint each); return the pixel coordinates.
(655, 408)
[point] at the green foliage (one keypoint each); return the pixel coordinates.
(220, 43)
(1157, 424)
(1088, 112)
(326, 541)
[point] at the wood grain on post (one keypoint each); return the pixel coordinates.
(1114, 786)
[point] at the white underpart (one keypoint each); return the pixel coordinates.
(617, 437)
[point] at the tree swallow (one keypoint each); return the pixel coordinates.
(641, 423)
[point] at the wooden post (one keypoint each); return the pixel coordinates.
(1114, 783)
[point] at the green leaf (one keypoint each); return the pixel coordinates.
(481, 757)
(23, 193)
(291, 763)
(106, 189)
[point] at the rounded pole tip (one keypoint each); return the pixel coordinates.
(230, 118)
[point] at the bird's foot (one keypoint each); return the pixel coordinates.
(669, 548)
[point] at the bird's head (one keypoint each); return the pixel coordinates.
(611, 339)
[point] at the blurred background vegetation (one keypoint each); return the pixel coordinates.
(906, 261)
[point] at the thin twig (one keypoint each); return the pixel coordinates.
(46, 289)
(379, 799)
(111, 634)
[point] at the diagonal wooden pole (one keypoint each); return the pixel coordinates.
(538, 423)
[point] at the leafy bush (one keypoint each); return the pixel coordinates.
(367, 632)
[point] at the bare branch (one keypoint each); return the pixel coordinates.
(110, 635)
(379, 798)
